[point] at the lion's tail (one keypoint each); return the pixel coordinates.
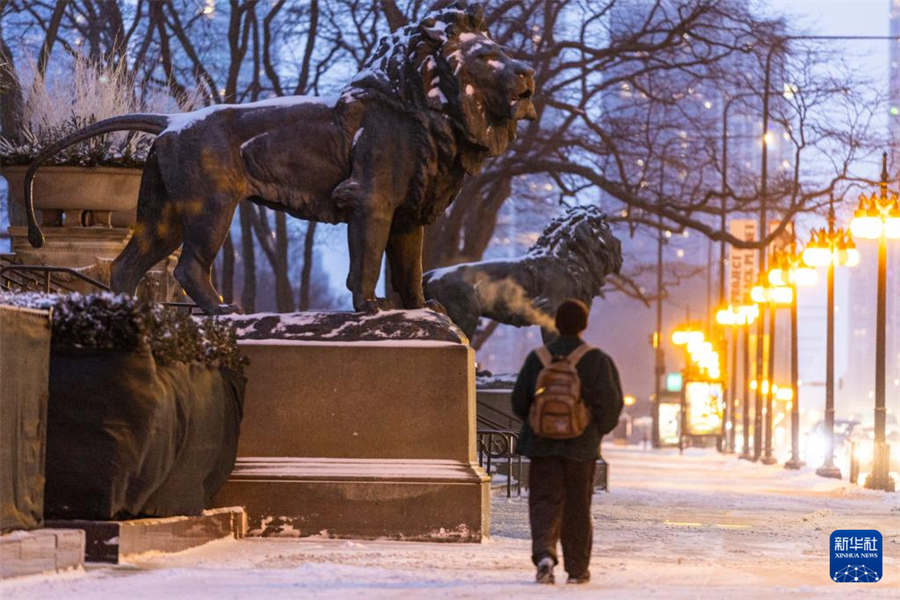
(146, 122)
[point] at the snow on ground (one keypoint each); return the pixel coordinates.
(701, 525)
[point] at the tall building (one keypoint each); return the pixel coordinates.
(894, 81)
(860, 379)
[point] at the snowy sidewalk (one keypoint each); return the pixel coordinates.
(702, 525)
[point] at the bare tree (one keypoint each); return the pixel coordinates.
(630, 100)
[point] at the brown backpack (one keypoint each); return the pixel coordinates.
(558, 412)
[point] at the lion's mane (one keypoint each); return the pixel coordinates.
(409, 74)
(582, 240)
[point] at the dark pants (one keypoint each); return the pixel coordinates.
(559, 506)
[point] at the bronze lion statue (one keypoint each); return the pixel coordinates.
(386, 157)
(571, 259)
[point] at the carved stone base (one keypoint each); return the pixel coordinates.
(360, 439)
(829, 471)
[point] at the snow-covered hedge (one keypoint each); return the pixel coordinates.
(119, 322)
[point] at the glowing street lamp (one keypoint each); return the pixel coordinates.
(786, 273)
(733, 317)
(683, 337)
(829, 247)
(878, 217)
(789, 272)
(777, 295)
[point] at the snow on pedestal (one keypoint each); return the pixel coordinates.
(335, 326)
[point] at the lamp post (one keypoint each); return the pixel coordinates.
(790, 270)
(769, 296)
(659, 367)
(738, 319)
(745, 411)
(830, 247)
(878, 217)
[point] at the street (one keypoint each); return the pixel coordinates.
(701, 525)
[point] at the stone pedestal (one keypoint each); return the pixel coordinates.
(360, 439)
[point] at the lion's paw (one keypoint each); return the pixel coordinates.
(227, 309)
(436, 307)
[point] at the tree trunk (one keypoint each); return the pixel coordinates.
(10, 95)
(248, 254)
(52, 31)
(464, 232)
(227, 289)
(270, 242)
(284, 294)
(306, 273)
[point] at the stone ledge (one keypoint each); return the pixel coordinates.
(414, 500)
(41, 551)
(113, 541)
(341, 469)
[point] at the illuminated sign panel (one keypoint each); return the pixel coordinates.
(703, 408)
(669, 423)
(673, 382)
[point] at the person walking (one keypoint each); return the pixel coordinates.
(568, 396)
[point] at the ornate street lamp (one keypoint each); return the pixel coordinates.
(788, 269)
(773, 296)
(878, 217)
(737, 319)
(831, 247)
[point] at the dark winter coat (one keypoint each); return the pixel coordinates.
(600, 390)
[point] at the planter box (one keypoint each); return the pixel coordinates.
(77, 196)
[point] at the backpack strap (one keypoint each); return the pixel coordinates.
(578, 353)
(543, 354)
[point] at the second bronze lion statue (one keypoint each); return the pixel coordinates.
(572, 258)
(386, 157)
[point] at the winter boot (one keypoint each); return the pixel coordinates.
(545, 571)
(583, 578)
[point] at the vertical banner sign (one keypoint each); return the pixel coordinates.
(742, 262)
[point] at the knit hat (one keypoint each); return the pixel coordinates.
(571, 317)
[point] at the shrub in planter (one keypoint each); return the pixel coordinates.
(57, 105)
(144, 409)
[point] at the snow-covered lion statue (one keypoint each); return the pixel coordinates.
(571, 259)
(386, 157)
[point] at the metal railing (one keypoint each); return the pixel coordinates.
(46, 283)
(495, 418)
(500, 444)
(46, 271)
